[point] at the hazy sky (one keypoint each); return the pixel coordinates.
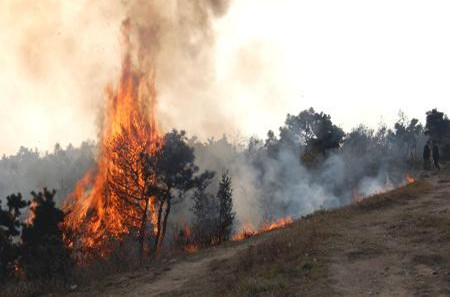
(361, 61)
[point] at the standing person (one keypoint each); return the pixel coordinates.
(427, 156)
(436, 156)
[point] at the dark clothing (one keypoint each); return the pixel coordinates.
(426, 152)
(426, 158)
(436, 164)
(436, 157)
(435, 152)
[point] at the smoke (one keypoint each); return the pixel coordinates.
(270, 184)
(30, 170)
(175, 40)
(72, 50)
(267, 185)
(265, 188)
(58, 57)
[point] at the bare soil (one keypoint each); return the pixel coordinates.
(167, 277)
(395, 244)
(403, 250)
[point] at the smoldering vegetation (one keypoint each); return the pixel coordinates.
(310, 164)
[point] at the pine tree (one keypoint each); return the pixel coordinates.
(173, 166)
(205, 211)
(9, 224)
(43, 251)
(226, 213)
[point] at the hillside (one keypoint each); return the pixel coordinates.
(393, 244)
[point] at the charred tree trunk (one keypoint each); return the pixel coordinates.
(142, 229)
(162, 222)
(166, 216)
(158, 226)
(219, 226)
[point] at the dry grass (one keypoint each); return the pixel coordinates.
(122, 261)
(286, 262)
(291, 261)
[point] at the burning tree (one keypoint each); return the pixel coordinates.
(112, 200)
(139, 174)
(128, 182)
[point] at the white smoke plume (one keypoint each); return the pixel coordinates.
(60, 57)
(175, 40)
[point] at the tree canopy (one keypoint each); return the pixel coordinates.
(175, 172)
(44, 253)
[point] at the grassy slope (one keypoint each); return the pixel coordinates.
(296, 261)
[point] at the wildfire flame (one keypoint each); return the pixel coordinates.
(95, 212)
(388, 187)
(184, 239)
(31, 213)
(409, 179)
(277, 224)
(248, 230)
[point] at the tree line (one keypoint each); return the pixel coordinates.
(32, 235)
(172, 174)
(32, 246)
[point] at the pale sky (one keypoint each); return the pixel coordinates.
(360, 61)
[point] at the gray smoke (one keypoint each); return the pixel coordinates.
(175, 40)
(269, 185)
(266, 188)
(58, 57)
(30, 170)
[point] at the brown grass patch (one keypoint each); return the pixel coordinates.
(291, 262)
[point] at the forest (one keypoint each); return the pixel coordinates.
(202, 193)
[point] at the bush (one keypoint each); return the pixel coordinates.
(9, 224)
(44, 254)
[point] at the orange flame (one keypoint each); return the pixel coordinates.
(409, 179)
(31, 213)
(95, 211)
(277, 224)
(388, 187)
(185, 241)
(191, 248)
(248, 230)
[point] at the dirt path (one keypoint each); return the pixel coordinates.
(403, 250)
(160, 282)
(398, 249)
(180, 273)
